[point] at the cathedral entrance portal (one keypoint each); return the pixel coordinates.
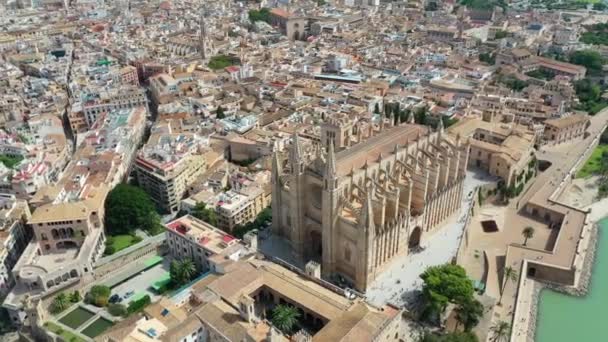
(414, 241)
(316, 244)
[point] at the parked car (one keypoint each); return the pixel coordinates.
(115, 298)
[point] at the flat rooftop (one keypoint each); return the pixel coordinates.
(204, 234)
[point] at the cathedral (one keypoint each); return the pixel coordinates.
(365, 194)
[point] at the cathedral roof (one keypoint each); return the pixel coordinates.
(383, 143)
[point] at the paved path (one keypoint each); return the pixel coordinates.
(399, 283)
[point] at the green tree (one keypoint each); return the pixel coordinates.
(201, 212)
(219, 113)
(587, 91)
(528, 233)
(442, 285)
(117, 309)
(449, 337)
(501, 34)
(181, 271)
(10, 162)
(98, 295)
(420, 116)
(262, 15)
(285, 318)
(509, 274)
(75, 297)
(501, 331)
(590, 59)
(487, 58)
(60, 303)
(469, 313)
(431, 7)
(138, 305)
(599, 6)
(129, 208)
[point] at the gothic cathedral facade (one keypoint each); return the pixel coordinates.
(355, 208)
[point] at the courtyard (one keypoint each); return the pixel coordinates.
(139, 284)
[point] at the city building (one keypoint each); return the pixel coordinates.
(234, 208)
(208, 247)
(14, 237)
(502, 149)
(567, 129)
(234, 305)
(357, 209)
(168, 164)
(68, 239)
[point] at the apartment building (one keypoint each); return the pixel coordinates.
(240, 207)
(14, 237)
(83, 115)
(163, 88)
(45, 151)
(204, 244)
(168, 164)
(562, 130)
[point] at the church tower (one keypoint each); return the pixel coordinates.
(276, 191)
(367, 239)
(297, 193)
(329, 210)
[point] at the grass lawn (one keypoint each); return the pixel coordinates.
(65, 335)
(97, 328)
(120, 242)
(592, 165)
(76, 317)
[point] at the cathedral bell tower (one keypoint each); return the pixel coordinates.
(297, 193)
(277, 218)
(366, 241)
(329, 211)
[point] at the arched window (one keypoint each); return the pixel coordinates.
(43, 236)
(55, 233)
(70, 232)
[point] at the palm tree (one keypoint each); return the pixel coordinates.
(469, 313)
(75, 297)
(501, 331)
(509, 274)
(60, 302)
(187, 269)
(285, 317)
(528, 233)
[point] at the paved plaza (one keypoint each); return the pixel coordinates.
(399, 283)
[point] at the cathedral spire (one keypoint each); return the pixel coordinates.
(295, 154)
(296, 151)
(276, 164)
(366, 218)
(330, 163)
(440, 127)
